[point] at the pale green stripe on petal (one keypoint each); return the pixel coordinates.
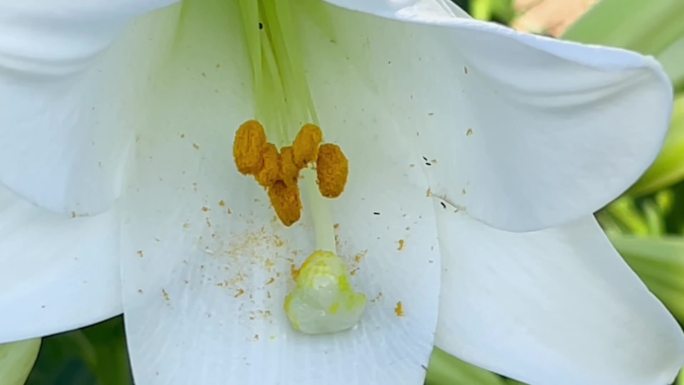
(16, 361)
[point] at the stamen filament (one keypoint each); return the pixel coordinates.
(320, 214)
(323, 300)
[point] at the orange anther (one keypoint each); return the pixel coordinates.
(270, 171)
(332, 168)
(305, 146)
(286, 202)
(250, 140)
(278, 171)
(289, 171)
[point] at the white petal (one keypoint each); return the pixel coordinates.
(69, 102)
(558, 306)
(56, 272)
(516, 129)
(204, 282)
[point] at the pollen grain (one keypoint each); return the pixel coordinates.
(399, 309)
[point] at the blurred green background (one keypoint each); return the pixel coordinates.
(646, 224)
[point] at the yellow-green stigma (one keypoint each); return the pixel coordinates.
(323, 300)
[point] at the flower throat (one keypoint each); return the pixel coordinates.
(269, 147)
(283, 139)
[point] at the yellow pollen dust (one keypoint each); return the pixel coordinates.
(399, 309)
(278, 171)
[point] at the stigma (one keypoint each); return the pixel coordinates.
(278, 170)
(323, 300)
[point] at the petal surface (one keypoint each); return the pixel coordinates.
(206, 265)
(57, 273)
(66, 116)
(516, 129)
(557, 306)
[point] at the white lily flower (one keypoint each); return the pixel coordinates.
(117, 149)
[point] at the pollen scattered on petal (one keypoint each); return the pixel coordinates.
(399, 309)
(271, 168)
(305, 146)
(286, 202)
(250, 140)
(332, 168)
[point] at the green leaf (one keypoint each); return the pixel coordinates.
(95, 355)
(668, 168)
(514, 382)
(64, 359)
(674, 217)
(16, 361)
(659, 262)
(498, 10)
(481, 9)
(672, 59)
(648, 27)
(448, 370)
(625, 216)
(110, 364)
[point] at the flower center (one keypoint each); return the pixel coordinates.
(278, 170)
(323, 300)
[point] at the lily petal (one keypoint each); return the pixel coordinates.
(66, 118)
(56, 272)
(516, 129)
(206, 266)
(557, 306)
